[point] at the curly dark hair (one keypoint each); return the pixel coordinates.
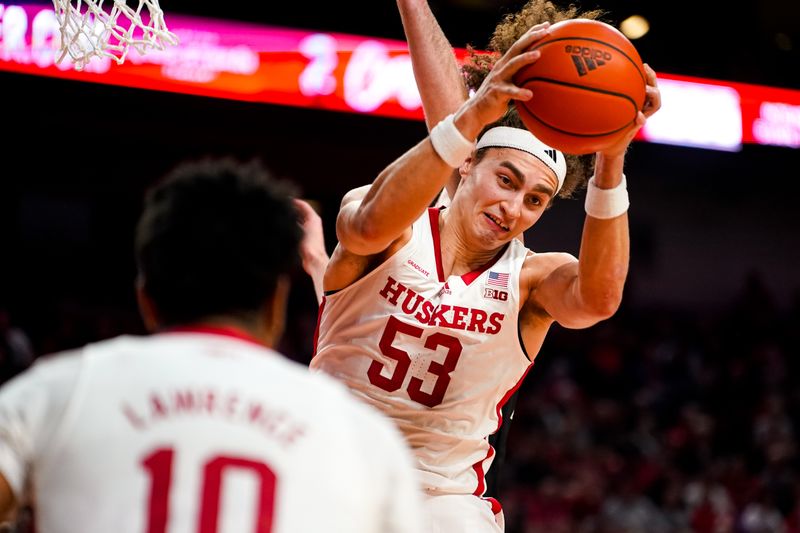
(506, 33)
(214, 238)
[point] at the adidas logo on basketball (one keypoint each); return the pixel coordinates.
(586, 58)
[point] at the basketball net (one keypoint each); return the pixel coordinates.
(88, 29)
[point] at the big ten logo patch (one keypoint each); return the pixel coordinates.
(495, 294)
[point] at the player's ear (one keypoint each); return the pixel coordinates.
(147, 308)
(465, 167)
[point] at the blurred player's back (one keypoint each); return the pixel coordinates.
(202, 427)
(203, 431)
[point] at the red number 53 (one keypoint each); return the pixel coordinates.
(396, 380)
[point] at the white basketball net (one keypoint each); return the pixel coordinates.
(88, 29)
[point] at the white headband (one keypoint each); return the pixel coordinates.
(519, 139)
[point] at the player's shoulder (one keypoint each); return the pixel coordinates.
(538, 266)
(73, 360)
(51, 378)
(546, 262)
(70, 361)
(53, 365)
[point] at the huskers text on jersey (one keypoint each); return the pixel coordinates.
(426, 312)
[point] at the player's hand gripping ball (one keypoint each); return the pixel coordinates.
(588, 86)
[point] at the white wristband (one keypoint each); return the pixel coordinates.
(449, 143)
(607, 203)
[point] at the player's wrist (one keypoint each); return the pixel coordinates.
(450, 143)
(608, 170)
(607, 203)
(468, 121)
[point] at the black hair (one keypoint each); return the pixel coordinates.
(214, 238)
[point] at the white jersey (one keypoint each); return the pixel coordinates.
(439, 356)
(199, 431)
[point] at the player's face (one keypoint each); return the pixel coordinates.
(505, 192)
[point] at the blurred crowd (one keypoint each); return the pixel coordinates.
(662, 421)
(658, 420)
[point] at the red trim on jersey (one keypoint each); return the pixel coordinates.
(508, 395)
(433, 215)
(496, 507)
(478, 467)
(224, 331)
(316, 330)
(469, 277)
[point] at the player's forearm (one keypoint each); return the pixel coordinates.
(435, 67)
(603, 264)
(605, 248)
(399, 195)
(608, 170)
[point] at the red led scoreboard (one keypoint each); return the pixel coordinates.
(349, 73)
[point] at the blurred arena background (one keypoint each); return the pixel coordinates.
(679, 414)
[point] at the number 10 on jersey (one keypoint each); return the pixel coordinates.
(159, 466)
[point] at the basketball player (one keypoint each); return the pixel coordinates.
(201, 426)
(443, 90)
(435, 315)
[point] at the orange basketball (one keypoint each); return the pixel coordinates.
(588, 86)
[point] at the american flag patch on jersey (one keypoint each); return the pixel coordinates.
(498, 279)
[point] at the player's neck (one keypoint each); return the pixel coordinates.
(460, 255)
(251, 329)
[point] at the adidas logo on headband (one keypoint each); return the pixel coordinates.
(519, 139)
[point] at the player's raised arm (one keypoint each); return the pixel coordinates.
(435, 67)
(436, 70)
(395, 199)
(580, 294)
(406, 187)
